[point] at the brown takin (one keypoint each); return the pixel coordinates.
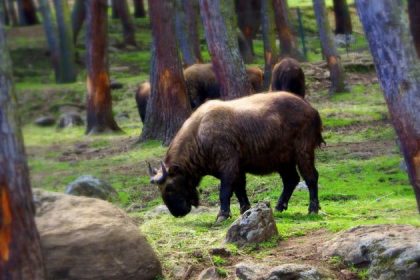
(258, 134)
(202, 85)
(288, 76)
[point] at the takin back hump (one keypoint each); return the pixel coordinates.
(288, 76)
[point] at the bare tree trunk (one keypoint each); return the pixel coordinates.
(114, 4)
(78, 16)
(329, 49)
(139, 11)
(99, 101)
(168, 106)
(4, 14)
(20, 247)
(27, 12)
(414, 15)
(127, 22)
(342, 17)
(192, 15)
(51, 35)
(397, 66)
(288, 43)
(249, 20)
(220, 28)
(12, 12)
(244, 47)
(66, 46)
(269, 40)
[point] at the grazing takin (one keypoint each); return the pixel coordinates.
(288, 76)
(201, 85)
(258, 134)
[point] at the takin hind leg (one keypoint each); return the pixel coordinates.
(240, 192)
(232, 182)
(306, 165)
(290, 179)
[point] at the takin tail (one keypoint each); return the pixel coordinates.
(316, 127)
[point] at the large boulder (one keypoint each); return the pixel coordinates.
(255, 225)
(90, 186)
(86, 238)
(389, 251)
(70, 119)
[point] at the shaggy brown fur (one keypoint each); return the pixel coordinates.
(259, 134)
(141, 96)
(288, 76)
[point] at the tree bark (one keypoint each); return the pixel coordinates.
(329, 49)
(12, 12)
(342, 17)
(78, 16)
(139, 11)
(168, 106)
(220, 28)
(269, 40)
(398, 68)
(414, 16)
(66, 46)
(126, 22)
(184, 38)
(51, 35)
(99, 101)
(4, 14)
(27, 12)
(114, 4)
(20, 248)
(288, 43)
(191, 8)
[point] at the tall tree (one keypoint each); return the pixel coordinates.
(249, 20)
(78, 16)
(51, 35)
(99, 101)
(67, 64)
(269, 40)
(397, 66)
(139, 11)
(414, 16)
(20, 248)
(12, 12)
(126, 22)
(114, 4)
(4, 16)
(27, 12)
(220, 27)
(329, 49)
(288, 43)
(342, 17)
(191, 8)
(186, 32)
(169, 105)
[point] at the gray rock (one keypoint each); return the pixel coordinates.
(70, 119)
(90, 186)
(209, 274)
(389, 251)
(163, 210)
(115, 85)
(45, 121)
(85, 238)
(255, 225)
(247, 271)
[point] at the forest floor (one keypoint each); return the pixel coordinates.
(361, 181)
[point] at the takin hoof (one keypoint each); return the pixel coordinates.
(222, 216)
(244, 208)
(281, 207)
(313, 209)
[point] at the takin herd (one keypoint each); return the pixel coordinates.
(260, 134)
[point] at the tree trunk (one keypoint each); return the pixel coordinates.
(4, 14)
(12, 12)
(397, 66)
(99, 101)
(114, 5)
(184, 38)
(269, 40)
(139, 11)
(66, 46)
(191, 8)
(127, 22)
(51, 35)
(27, 12)
(288, 43)
(168, 106)
(337, 75)
(414, 15)
(244, 47)
(223, 47)
(78, 16)
(342, 17)
(20, 247)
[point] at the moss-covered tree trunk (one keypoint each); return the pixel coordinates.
(342, 17)
(398, 69)
(67, 64)
(329, 49)
(78, 15)
(414, 16)
(139, 11)
(12, 12)
(220, 27)
(20, 248)
(99, 101)
(269, 39)
(168, 106)
(126, 22)
(27, 12)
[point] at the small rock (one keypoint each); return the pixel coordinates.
(209, 274)
(255, 225)
(246, 271)
(45, 121)
(122, 115)
(220, 252)
(70, 119)
(116, 85)
(295, 271)
(90, 186)
(403, 166)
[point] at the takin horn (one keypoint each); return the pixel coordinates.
(152, 172)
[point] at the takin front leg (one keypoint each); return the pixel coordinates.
(290, 179)
(306, 165)
(231, 182)
(240, 192)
